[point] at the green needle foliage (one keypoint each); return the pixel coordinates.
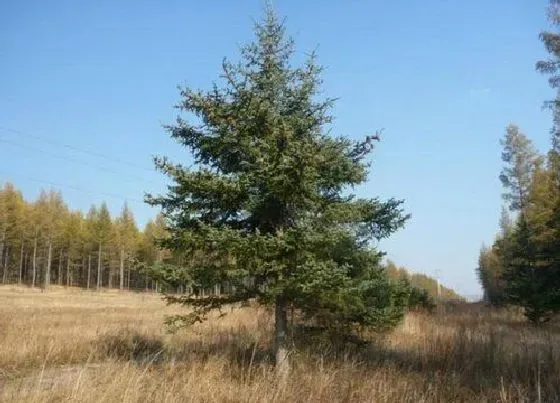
(531, 279)
(266, 211)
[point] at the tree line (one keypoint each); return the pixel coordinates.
(423, 282)
(44, 242)
(522, 266)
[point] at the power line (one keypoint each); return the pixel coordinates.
(75, 161)
(76, 188)
(74, 148)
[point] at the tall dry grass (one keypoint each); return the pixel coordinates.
(71, 345)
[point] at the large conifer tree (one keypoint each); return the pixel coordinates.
(266, 210)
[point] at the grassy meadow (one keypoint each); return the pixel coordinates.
(73, 345)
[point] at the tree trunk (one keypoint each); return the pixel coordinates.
(99, 267)
(5, 271)
(128, 279)
(60, 268)
(280, 328)
(121, 274)
(26, 265)
(110, 275)
(68, 271)
(21, 262)
(34, 262)
(2, 242)
(88, 270)
(83, 271)
(48, 271)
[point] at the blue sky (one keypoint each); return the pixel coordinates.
(442, 77)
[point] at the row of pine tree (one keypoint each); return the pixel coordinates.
(522, 267)
(44, 242)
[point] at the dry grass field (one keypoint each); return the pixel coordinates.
(72, 345)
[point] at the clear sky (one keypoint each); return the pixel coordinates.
(442, 77)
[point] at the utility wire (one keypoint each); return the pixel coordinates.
(74, 148)
(75, 161)
(76, 188)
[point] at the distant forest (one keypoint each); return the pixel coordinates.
(423, 282)
(45, 242)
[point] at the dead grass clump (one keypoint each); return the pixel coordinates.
(130, 345)
(239, 347)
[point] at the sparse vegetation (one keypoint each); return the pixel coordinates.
(110, 346)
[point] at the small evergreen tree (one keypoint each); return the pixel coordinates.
(530, 280)
(418, 298)
(266, 212)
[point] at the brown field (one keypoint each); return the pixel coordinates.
(72, 345)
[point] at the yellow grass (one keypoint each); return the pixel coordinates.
(72, 345)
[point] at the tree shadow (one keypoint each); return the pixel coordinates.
(131, 346)
(240, 348)
(477, 352)
(475, 356)
(525, 360)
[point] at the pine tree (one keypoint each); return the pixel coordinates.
(152, 253)
(156, 230)
(548, 215)
(490, 274)
(73, 240)
(126, 240)
(42, 241)
(521, 160)
(419, 283)
(267, 210)
(25, 228)
(11, 228)
(493, 260)
(531, 254)
(551, 67)
(530, 280)
(90, 240)
(102, 226)
(36, 232)
(50, 208)
(4, 224)
(528, 253)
